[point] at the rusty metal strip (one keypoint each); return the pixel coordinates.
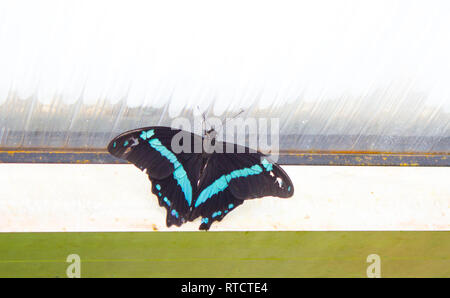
(366, 159)
(291, 158)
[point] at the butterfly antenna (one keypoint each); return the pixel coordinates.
(204, 122)
(225, 121)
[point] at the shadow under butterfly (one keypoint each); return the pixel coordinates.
(203, 179)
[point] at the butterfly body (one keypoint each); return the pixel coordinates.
(204, 179)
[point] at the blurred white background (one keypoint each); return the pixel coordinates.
(335, 67)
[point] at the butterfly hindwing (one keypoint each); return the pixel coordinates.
(231, 178)
(215, 210)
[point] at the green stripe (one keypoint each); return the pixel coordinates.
(226, 254)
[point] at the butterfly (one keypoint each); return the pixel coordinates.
(197, 176)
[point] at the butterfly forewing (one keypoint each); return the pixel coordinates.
(173, 175)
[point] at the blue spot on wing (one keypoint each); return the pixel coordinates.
(147, 134)
(216, 214)
(267, 165)
(167, 201)
(174, 213)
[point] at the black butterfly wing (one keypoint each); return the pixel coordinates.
(173, 175)
(231, 178)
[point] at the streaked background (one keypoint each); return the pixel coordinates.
(362, 82)
(340, 75)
